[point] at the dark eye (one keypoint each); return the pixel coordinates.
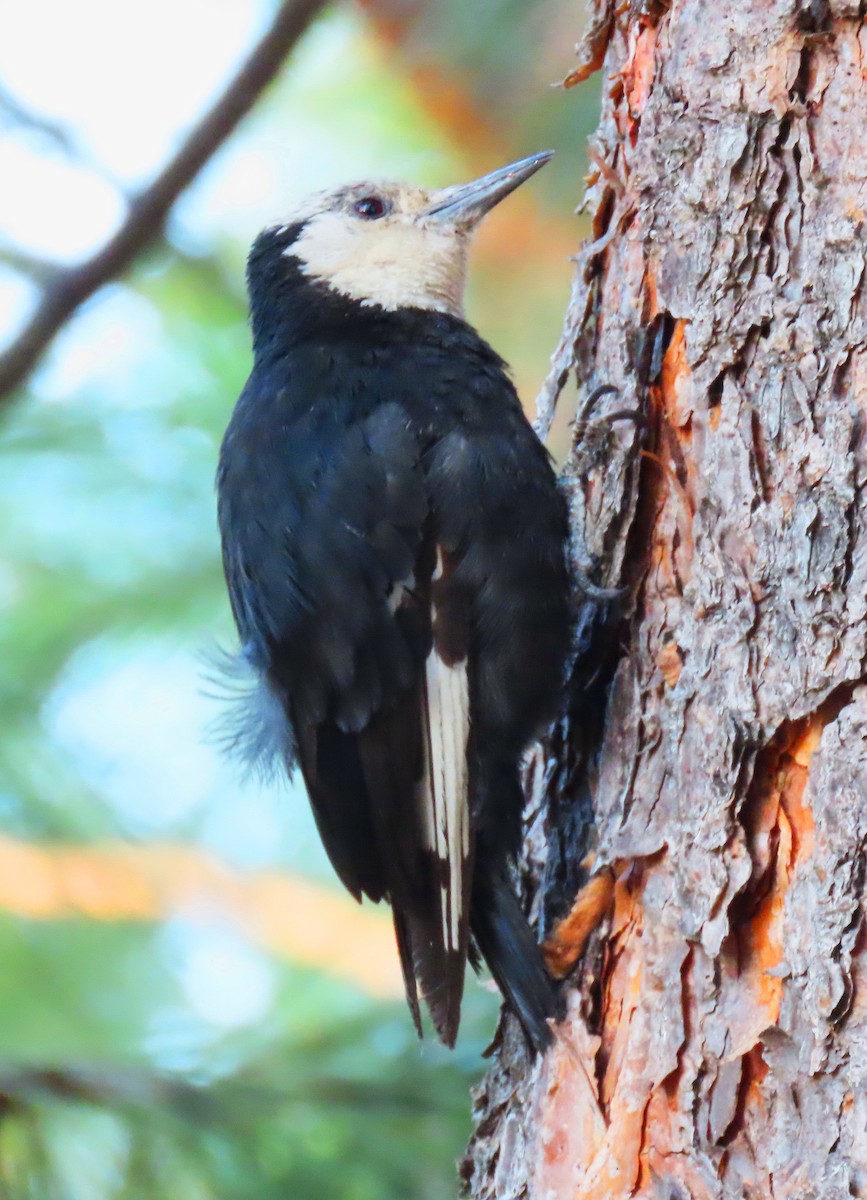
(369, 207)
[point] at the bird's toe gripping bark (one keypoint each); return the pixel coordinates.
(589, 429)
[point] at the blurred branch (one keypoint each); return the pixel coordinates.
(68, 289)
(58, 136)
(22, 1085)
(34, 267)
(42, 271)
(13, 112)
(250, 1092)
(299, 920)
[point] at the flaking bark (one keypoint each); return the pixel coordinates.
(716, 1042)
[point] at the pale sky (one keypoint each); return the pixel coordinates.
(129, 81)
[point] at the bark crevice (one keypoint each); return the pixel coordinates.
(716, 1037)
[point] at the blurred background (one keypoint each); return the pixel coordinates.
(190, 1007)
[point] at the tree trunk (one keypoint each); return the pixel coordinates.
(716, 1037)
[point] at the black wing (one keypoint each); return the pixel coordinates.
(333, 573)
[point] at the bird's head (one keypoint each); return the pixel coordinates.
(389, 244)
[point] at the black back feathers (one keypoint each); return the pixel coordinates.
(394, 548)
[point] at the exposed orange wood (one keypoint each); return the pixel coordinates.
(760, 943)
(624, 976)
(304, 922)
(677, 380)
(566, 944)
(591, 49)
(572, 1122)
(669, 659)
(675, 401)
(639, 72)
(634, 82)
(628, 1117)
(672, 400)
(651, 1142)
(800, 815)
(782, 774)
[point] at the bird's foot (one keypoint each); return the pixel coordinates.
(593, 591)
(585, 425)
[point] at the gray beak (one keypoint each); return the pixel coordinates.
(467, 203)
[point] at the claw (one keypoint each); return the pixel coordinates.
(605, 389)
(635, 415)
(593, 591)
(582, 421)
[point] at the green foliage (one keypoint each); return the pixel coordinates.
(125, 1091)
(113, 1085)
(177, 1059)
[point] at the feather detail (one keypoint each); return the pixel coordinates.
(438, 928)
(359, 535)
(433, 929)
(403, 938)
(253, 727)
(444, 787)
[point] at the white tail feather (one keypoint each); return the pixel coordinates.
(444, 800)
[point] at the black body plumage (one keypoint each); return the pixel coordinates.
(393, 543)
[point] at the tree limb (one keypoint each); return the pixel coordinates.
(13, 112)
(34, 267)
(70, 288)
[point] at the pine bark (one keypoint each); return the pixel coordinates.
(716, 1037)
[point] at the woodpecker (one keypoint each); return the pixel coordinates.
(394, 546)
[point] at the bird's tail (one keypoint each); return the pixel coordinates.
(507, 944)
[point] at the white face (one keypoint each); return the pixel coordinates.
(377, 243)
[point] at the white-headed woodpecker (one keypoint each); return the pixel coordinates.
(394, 549)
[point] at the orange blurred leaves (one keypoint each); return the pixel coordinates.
(303, 922)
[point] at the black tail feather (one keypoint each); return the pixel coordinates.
(506, 942)
(433, 971)
(407, 966)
